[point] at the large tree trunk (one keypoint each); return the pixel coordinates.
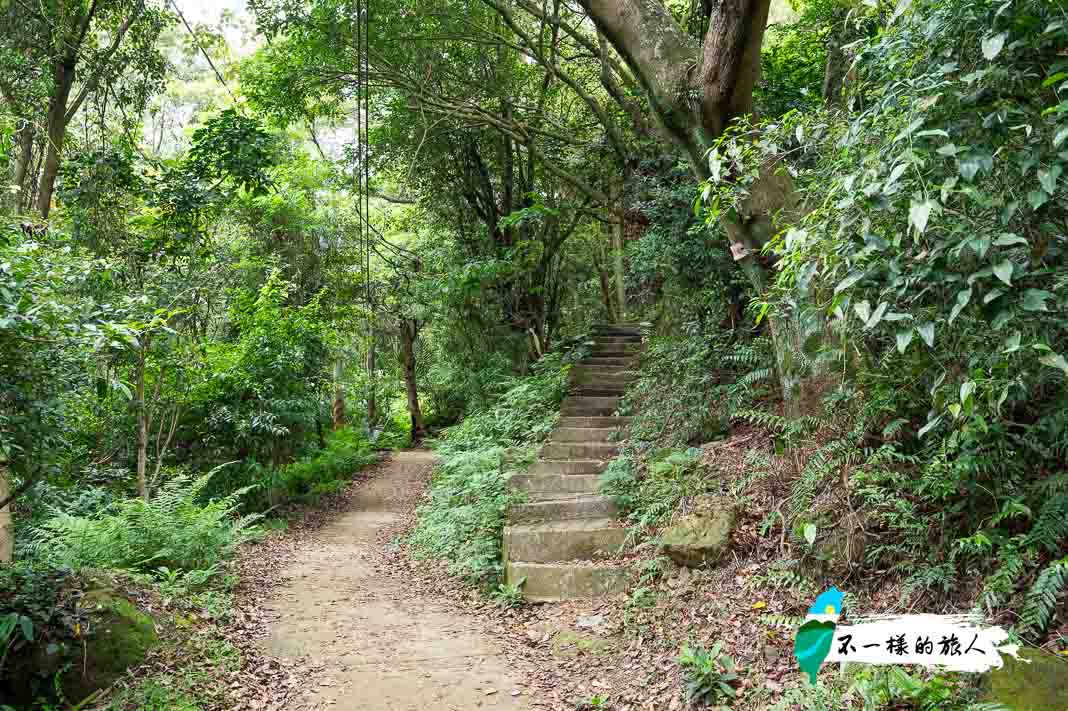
(7, 532)
(722, 73)
(409, 330)
(57, 133)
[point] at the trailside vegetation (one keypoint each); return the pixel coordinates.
(843, 222)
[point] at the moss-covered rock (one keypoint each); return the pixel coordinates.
(702, 537)
(119, 637)
(1038, 684)
(567, 644)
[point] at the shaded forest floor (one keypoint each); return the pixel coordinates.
(335, 612)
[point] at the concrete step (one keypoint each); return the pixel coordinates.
(550, 582)
(627, 328)
(563, 509)
(606, 338)
(584, 434)
(581, 406)
(582, 539)
(564, 466)
(579, 450)
(600, 389)
(586, 368)
(616, 422)
(614, 352)
(598, 361)
(537, 484)
(599, 348)
(602, 376)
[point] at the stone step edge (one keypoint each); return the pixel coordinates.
(558, 577)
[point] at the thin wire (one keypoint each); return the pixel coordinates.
(196, 41)
(362, 178)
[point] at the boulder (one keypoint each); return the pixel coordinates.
(702, 537)
(1038, 684)
(119, 637)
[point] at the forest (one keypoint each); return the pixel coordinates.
(251, 253)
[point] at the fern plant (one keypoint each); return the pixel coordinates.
(1041, 601)
(173, 530)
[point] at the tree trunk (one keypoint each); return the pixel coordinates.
(57, 132)
(339, 395)
(7, 532)
(142, 425)
(722, 72)
(409, 331)
(22, 164)
(606, 287)
(372, 408)
(834, 71)
(617, 252)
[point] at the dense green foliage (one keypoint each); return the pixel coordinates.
(214, 304)
(934, 259)
(172, 530)
(462, 520)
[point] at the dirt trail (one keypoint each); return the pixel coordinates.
(381, 646)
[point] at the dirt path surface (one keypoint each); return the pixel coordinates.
(379, 645)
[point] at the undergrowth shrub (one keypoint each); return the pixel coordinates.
(690, 388)
(173, 530)
(329, 470)
(462, 521)
(464, 516)
(927, 281)
(668, 478)
(525, 412)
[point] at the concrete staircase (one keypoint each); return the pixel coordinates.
(555, 539)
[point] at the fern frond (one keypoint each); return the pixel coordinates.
(1041, 602)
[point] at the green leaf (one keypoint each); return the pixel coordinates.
(926, 331)
(963, 297)
(896, 172)
(993, 294)
(919, 213)
(853, 277)
(810, 533)
(904, 338)
(1060, 137)
(1003, 271)
(1054, 78)
(1007, 238)
(1037, 198)
(966, 390)
(26, 625)
(949, 149)
(993, 45)
(969, 167)
(1055, 360)
(863, 310)
(877, 316)
(931, 424)
(1012, 343)
(1035, 300)
(1048, 178)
